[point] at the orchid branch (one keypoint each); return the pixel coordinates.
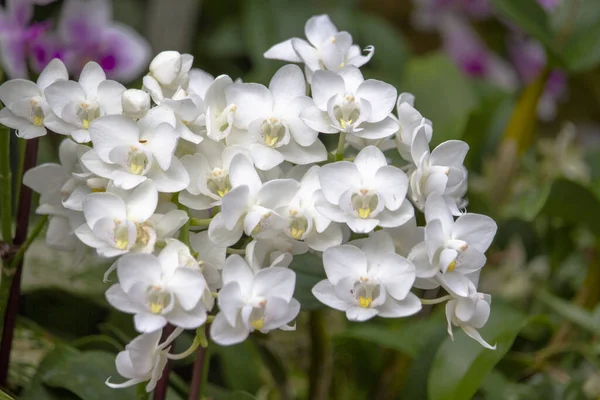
(202, 222)
(339, 154)
(436, 301)
(37, 230)
(5, 185)
(200, 365)
(10, 305)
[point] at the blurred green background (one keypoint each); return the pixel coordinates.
(543, 269)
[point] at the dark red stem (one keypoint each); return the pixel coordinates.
(198, 374)
(12, 308)
(160, 392)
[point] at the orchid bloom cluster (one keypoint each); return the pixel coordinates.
(170, 179)
(526, 56)
(84, 32)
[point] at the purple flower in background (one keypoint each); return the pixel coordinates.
(529, 58)
(472, 56)
(549, 4)
(428, 13)
(16, 35)
(86, 33)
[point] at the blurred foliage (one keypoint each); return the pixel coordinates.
(548, 217)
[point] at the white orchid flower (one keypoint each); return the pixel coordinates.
(143, 359)
(304, 222)
(270, 116)
(345, 102)
(410, 120)
(158, 291)
(76, 104)
(115, 221)
(208, 170)
(130, 153)
(440, 170)
(456, 247)
(249, 301)
(249, 206)
(326, 48)
(365, 193)
(25, 106)
(366, 278)
(470, 311)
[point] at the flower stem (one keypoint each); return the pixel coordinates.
(236, 251)
(39, 227)
(436, 301)
(184, 234)
(11, 307)
(339, 154)
(21, 146)
(160, 392)
(200, 221)
(9, 271)
(200, 366)
(188, 352)
(5, 185)
(320, 363)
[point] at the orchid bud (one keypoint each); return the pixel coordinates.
(166, 66)
(136, 103)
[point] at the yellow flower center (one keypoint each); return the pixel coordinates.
(121, 236)
(218, 182)
(364, 212)
(364, 203)
(365, 302)
(272, 131)
(137, 161)
(451, 266)
(38, 121)
(298, 224)
(156, 308)
(258, 324)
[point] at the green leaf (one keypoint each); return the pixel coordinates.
(573, 313)
(528, 204)
(86, 280)
(409, 338)
(529, 16)
(36, 390)
(240, 365)
(85, 373)
(63, 314)
(461, 365)
(574, 204)
(582, 50)
(240, 396)
(579, 22)
(498, 387)
(443, 94)
(4, 396)
(309, 271)
(415, 386)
